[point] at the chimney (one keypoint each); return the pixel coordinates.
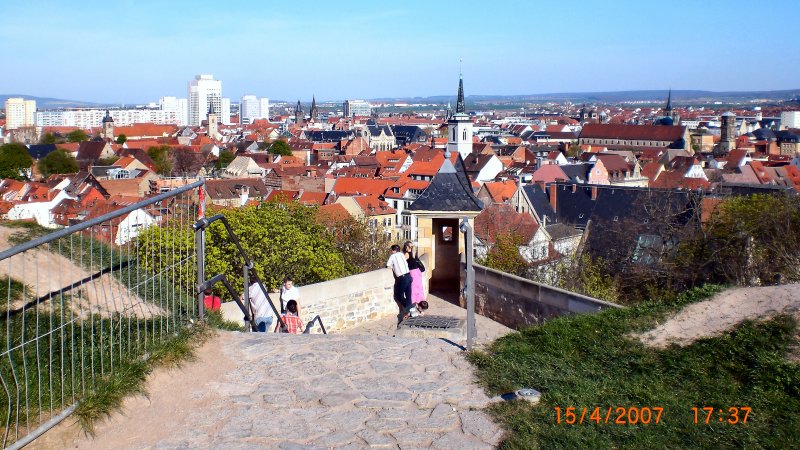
(594, 192)
(553, 196)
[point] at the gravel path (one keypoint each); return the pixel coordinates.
(722, 312)
(250, 390)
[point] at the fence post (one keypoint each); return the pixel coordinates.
(200, 248)
(469, 282)
(246, 293)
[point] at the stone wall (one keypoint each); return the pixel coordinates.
(517, 302)
(346, 302)
(342, 303)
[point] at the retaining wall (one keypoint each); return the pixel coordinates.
(341, 303)
(517, 302)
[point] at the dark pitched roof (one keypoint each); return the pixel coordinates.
(90, 150)
(476, 162)
(540, 202)
(560, 231)
(577, 172)
(405, 134)
(577, 208)
(450, 190)
(39, 151)
(329, 136)
(632, 132)
(231, 187)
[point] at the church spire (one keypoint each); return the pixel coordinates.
(669, 101)
(460, 108)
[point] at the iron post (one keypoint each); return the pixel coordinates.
(469, 282)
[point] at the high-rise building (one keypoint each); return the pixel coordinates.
(459, 127)
(252, 108)
(20, 113)
(263, 108)
(177, 106)
(249, 109)
(356, 108)
(790, 119)
(226, 111)
(204, 92)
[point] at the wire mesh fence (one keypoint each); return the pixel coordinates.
(80, 302)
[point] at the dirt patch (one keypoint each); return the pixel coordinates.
(44, 272)
(722, 312)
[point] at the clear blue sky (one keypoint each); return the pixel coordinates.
(136, 51)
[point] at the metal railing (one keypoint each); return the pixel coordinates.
(248, 272)
(82, 301)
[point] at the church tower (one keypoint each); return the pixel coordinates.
(314, 109)
(213, 124)
(459, 127)
(108, 127)
(298, 113)
(727, 140)
(669, 112)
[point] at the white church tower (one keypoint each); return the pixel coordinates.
(459, 127)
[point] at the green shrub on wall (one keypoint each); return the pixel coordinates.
(281, 239)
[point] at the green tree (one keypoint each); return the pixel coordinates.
(107, 161)
(225, 158)
(280, 147)
(121, 139)
(14, 161)
(59, 161)
(281, 239)
(160, 155)
(48, 138)
(505, 256)
(77, 136)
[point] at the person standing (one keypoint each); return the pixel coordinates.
(263, 316)
(289, 292)
(402, 281)
(415, 268)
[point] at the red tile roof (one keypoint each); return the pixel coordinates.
(632, 132)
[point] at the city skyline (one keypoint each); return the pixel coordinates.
(148, 50)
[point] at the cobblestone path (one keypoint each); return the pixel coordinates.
(255, 391)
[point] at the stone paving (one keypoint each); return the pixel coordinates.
(312, 391)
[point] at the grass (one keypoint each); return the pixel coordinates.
(107, 396)
(587, 361)
(94, 360)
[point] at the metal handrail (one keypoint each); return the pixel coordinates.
(309, 325)
(248, 267)
(221, 278)
(96, 221)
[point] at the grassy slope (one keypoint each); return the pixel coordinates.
(587, 361)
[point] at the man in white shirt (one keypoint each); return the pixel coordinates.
(263, 316)
(402, 281)
(289, 292)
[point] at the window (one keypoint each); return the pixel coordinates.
(447, 234)
(454, 134)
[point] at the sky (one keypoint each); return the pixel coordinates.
(126, 51)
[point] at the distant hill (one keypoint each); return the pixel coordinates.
(49, 103)
(611, 96)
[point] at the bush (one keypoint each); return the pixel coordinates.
(281, 239)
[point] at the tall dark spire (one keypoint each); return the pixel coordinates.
(298, 108)
(460, 108)
(669, 101)
(314, 111)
